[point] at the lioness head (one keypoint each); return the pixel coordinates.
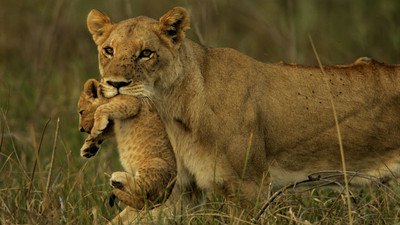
(135, 54)
(88, 103)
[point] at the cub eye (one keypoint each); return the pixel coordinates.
(81, 112)
(109, 51)
(145, 54)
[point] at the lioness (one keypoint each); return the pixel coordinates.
(223, 110)
(144, 148)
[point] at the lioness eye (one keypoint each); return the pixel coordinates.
(145, 53)
(109, 51)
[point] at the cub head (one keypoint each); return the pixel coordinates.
(88, 102)
(137, 54)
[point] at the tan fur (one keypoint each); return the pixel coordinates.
(144, 149)
(219, 105)
(88, 102)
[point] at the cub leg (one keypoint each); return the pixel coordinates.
(119, 107)
(153, 182)
(125, 189)
(92, 145)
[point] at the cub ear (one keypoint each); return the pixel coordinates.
(91, 88)
(99, 25)
(173, 25)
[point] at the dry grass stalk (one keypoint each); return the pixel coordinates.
(37, 151)
(3, 126)
(52, 157)
(337, 129)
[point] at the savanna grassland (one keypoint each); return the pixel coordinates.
(46, 55)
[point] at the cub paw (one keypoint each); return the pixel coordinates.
(90, 148)
(122, 181)
(99, 126)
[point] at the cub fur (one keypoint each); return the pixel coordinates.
(222, 108)
(144, 148)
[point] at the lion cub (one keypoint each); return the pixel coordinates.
(144, 148)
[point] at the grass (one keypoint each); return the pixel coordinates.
(339, 135)
(46, 55)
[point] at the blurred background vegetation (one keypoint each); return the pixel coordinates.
(46, 55)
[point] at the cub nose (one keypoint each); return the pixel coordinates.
(118, 84)
(81, 129)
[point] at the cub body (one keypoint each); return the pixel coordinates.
(144, 148)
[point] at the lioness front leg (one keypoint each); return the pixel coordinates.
(119, 107)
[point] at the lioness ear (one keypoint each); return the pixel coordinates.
(91, 88)
(174, 24)
(99, 25)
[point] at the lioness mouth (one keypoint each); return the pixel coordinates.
(118, 84)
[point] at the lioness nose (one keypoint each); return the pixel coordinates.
(118, 84)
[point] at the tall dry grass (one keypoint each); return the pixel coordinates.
(46, 54)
